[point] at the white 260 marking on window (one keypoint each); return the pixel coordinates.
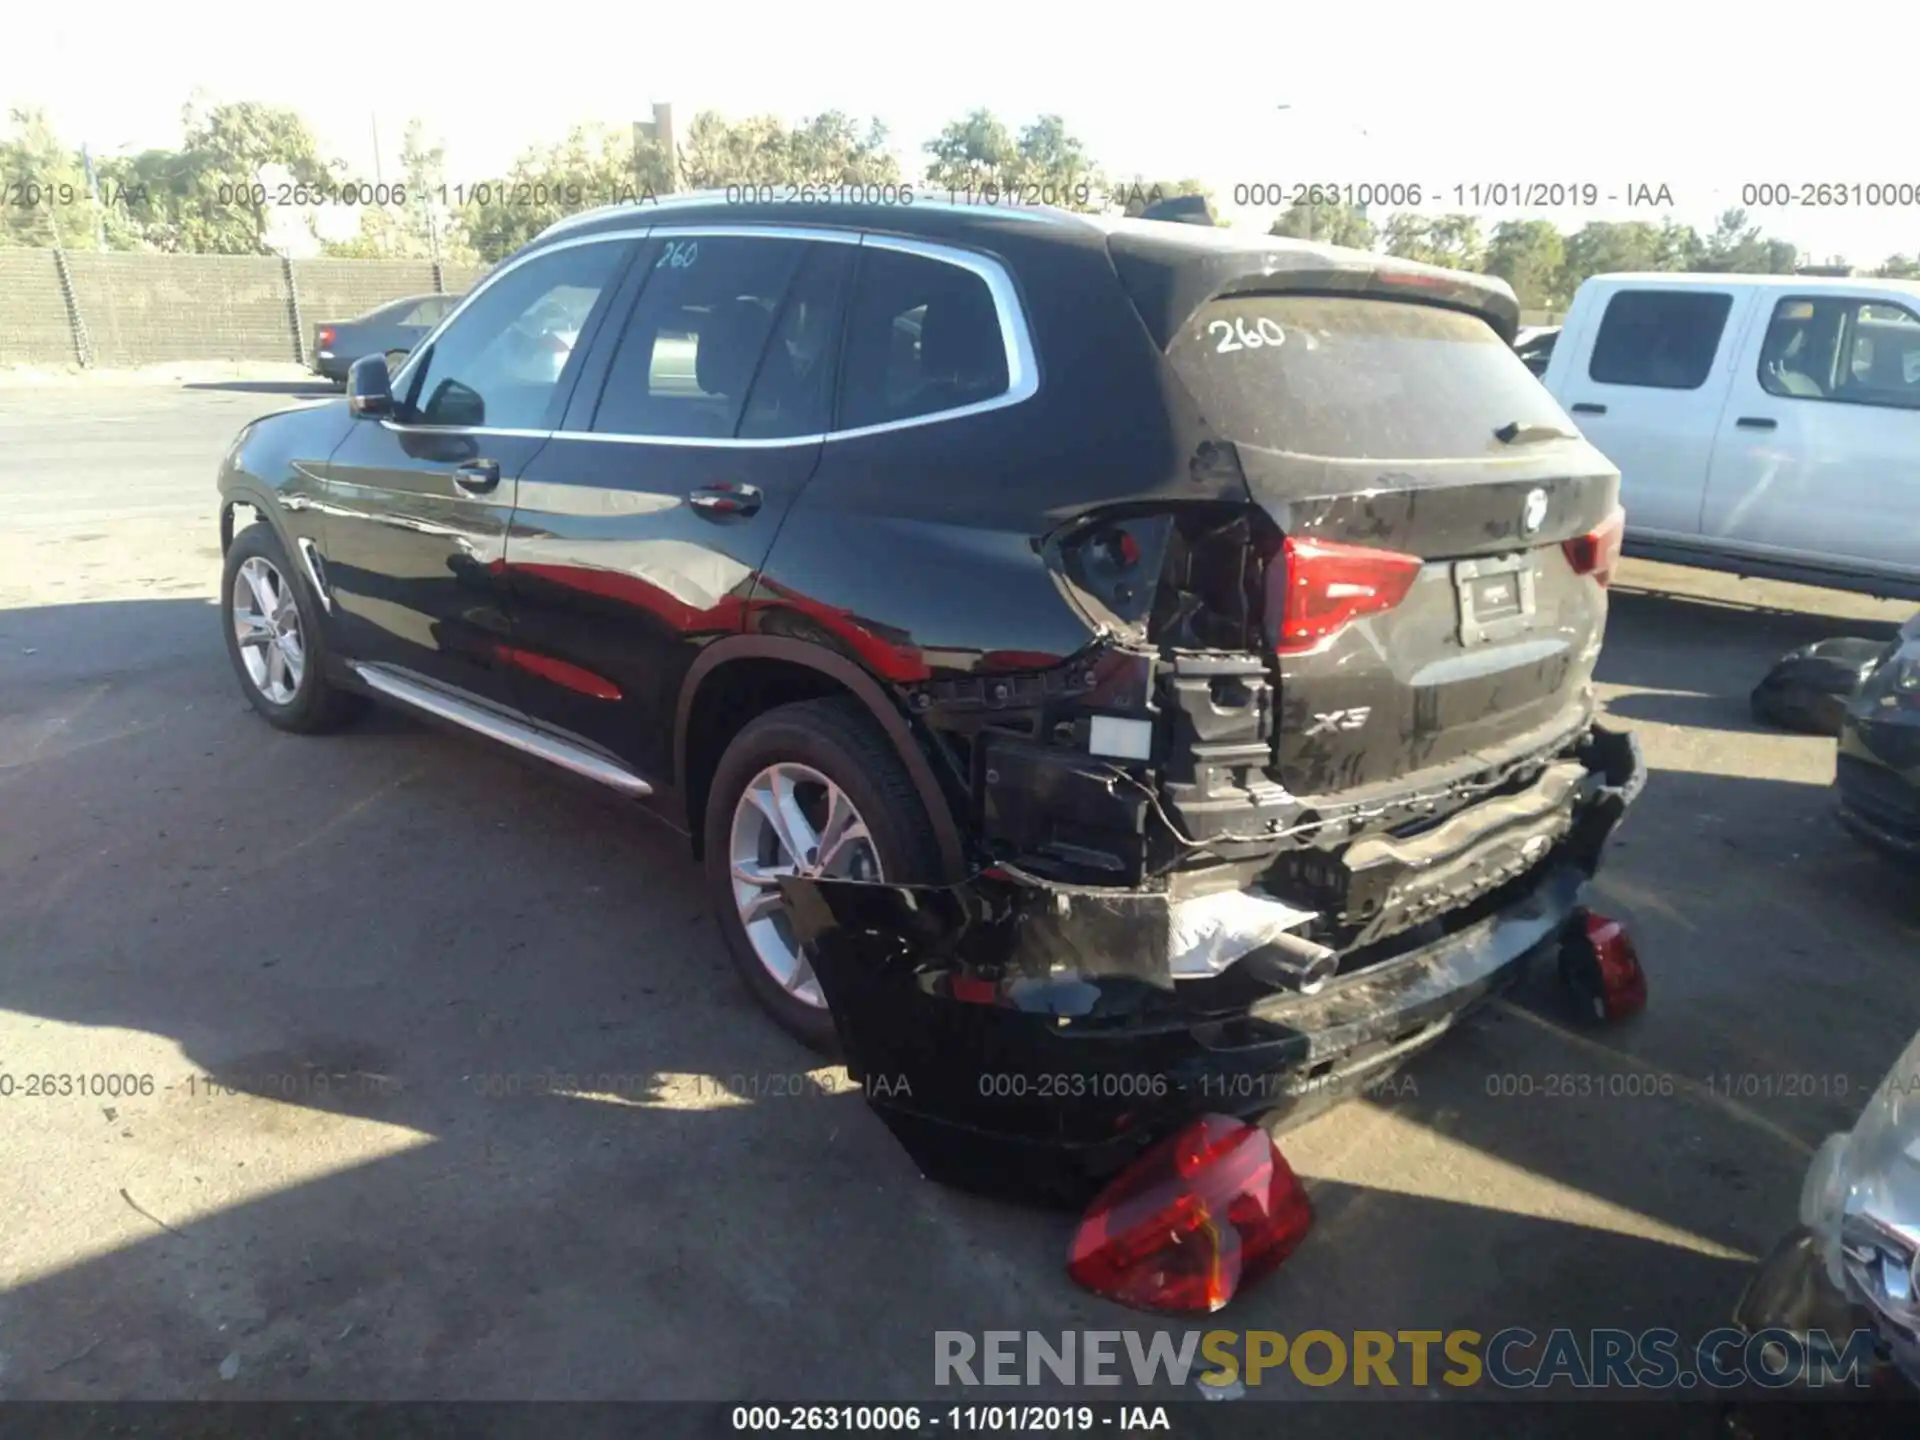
(679, 254)
(1235, 335)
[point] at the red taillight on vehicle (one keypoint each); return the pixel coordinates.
(1599, 964)
(326, 335)
(1316, 587)
(1598, 551)
(1209, 1209)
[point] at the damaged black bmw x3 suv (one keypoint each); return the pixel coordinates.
(1108, 668)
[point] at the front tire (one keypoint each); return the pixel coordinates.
(813, 789)
(274, 637)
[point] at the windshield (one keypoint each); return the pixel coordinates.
(1356, 378)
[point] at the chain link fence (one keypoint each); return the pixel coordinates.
(60, 307)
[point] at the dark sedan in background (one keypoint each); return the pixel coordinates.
(1534, 346)
(398, 325)
(1877, 771)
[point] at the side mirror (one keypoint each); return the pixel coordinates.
(395, 359)
(369, 387)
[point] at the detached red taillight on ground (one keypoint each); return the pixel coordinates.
(1597, 552)
(1599, 965)
(1316, 588)
(1208, 1210)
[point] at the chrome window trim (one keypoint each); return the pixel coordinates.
(398, 428)
(772, 232)
(1023, 369)
(726, 441)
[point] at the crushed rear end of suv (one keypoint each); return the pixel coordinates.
(1110, 671)
(1324, 775)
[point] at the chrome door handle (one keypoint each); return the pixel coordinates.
(725, 498)
(478, 476)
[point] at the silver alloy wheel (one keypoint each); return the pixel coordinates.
(792, 820)
(267, 624)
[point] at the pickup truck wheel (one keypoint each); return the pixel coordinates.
(274, 637)
(807, 789)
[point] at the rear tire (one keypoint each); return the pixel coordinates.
(800, 756)
(281, 665)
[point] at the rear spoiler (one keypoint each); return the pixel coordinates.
(1169, 274)
(1185, 209)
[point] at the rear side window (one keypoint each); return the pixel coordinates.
(1355, 378)
(1659, 339)
(923, 336)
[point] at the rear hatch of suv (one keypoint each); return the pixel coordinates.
(1440, 535)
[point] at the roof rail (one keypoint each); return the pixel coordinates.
(687, 199)
(651, 202)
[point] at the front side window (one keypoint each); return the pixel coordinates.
(1842, 349)
(923, 336)
(691, 348)
(1660, 339)
(499, 366)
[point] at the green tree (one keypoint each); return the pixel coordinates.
(1739, 247)
(1330, 223)
(1678, 247)
(48, 199)
(825, 149)
(1603, 247)
(1900, 267)
(1529, 255)
(419, 227)
(1449, 240)
(217, 196)
(592, 166)
(1045, 162)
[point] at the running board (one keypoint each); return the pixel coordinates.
(496, 725)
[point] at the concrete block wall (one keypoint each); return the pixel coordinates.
(34, 328)
(148, 309)
(142, 308)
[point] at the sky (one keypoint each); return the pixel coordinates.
(1632, 94)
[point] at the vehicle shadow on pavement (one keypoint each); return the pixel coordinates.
(455, 1097)
(1696, 644)
(316, 387)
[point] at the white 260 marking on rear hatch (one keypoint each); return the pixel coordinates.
(1236, 335)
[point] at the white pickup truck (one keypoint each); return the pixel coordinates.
(1764, 424)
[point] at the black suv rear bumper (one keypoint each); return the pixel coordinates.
(1027, 1038)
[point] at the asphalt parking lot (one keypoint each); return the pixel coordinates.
(428, 924)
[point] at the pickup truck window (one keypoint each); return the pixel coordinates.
(1844, 350)
(1661, 339)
